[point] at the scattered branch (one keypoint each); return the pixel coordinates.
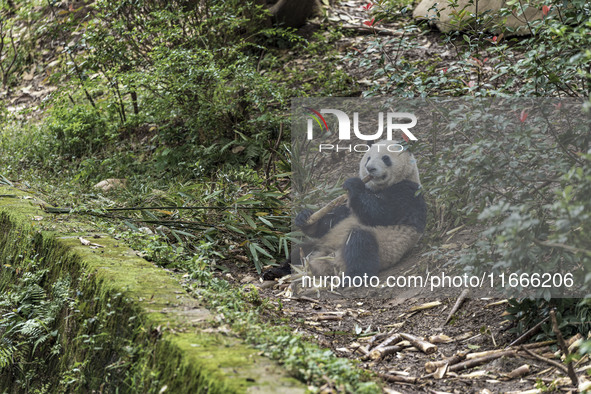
(546, 360)
(528, 334)
(457, 305)
(569, 365)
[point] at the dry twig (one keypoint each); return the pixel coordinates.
(546, 360)
(526, 335)
(569, 365)
(457, 305)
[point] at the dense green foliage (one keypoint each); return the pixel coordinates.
(524, 188)
(523, 184)
(28, 322)
(46, 327)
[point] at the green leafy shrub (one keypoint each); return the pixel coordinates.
(522, 181)
(523, 187)
(190, 68)
(74, 132)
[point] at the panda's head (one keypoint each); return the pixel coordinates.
(388, 162)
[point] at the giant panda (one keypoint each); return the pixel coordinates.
(382, 220)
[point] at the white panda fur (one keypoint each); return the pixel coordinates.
(394, 238)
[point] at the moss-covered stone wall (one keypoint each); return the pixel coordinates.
(128, 327)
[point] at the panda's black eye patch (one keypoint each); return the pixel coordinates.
(386, 160)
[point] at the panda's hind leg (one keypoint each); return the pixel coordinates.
(361, 254)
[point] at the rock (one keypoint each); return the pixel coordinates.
(447, 20)
(111, 184)
(248, 279)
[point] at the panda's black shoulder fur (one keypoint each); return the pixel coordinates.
(398, 204)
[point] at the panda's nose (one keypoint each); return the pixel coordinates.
(371, 169)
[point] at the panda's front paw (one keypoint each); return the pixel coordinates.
(354, 186)
(301, 219)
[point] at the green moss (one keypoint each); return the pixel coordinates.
(132, 328)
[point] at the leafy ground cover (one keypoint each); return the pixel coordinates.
(189, 104)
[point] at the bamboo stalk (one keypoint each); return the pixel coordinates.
(457, 305)
(340, 200)
(432, 366)
(535, 345)
(378, 337)
(398, 379)
(377, 353)
(479, 361)
(423, 346)
(519, 371)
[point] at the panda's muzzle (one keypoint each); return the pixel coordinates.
(373, 173)
(371, 170)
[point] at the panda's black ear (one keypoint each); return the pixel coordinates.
(372, 142)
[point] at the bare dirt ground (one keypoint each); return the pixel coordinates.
(354, 327)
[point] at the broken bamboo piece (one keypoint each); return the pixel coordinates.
(462, 361)
(432, 366)
(378, 337)
(574, 343)
(457, 305)
(377, 352)
(519, 371)
(475, 362)
(398, 379)
(422, 345)
(340, 200)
